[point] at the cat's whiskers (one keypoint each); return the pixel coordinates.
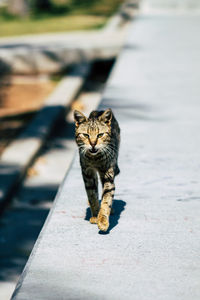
(110, 152)
(113, 147)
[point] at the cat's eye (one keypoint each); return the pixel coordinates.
(85, 135)
(100, 135)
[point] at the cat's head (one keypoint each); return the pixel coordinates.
(94, 133)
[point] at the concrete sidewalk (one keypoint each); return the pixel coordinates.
(151, 250)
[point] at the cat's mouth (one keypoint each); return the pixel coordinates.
(93, 150)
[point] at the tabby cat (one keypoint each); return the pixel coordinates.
(98, 139)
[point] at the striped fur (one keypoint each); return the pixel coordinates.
(98, 139)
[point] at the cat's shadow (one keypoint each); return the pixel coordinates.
(118, 206)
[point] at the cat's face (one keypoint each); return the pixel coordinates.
(93, 133)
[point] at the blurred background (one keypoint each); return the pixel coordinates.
(44, 47)
(55, 56)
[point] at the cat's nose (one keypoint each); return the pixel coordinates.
(93, 144)
(93, 149)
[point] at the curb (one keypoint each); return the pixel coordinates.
(18, 156)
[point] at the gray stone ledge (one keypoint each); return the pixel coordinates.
(46, 54)
(20, 153)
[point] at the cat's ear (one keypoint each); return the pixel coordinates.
(79, 117)
(106, 117)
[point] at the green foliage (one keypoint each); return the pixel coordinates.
(5, 15)
(61, 7)
(42, 24)
(57, 16)
(65, 7)
(48, 7)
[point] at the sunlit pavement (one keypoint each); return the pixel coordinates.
(151, 250)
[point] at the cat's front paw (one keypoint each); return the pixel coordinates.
(93, 220)
(103, 223)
